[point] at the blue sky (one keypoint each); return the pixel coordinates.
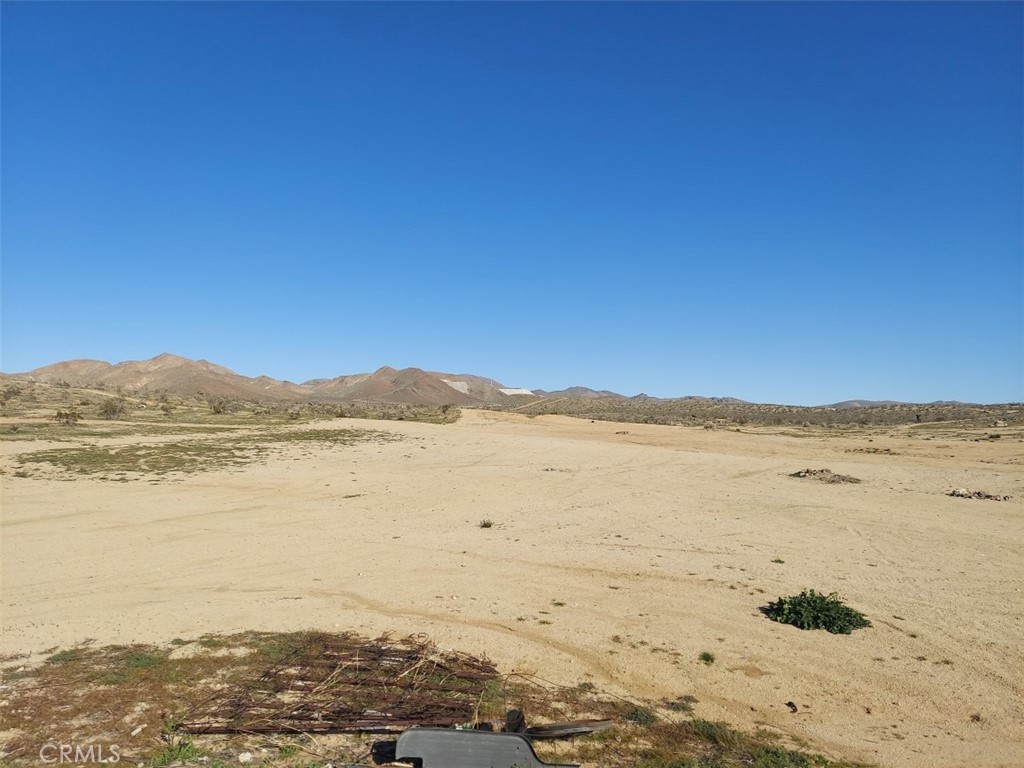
(783, 202)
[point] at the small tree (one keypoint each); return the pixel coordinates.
(9, 392)
(113, 408)
(68, 418)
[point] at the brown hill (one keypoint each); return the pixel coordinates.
(409, 385)
(166, 373)
(181, 376)
(578, 392)
(478, 387)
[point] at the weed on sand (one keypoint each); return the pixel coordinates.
(814, 610)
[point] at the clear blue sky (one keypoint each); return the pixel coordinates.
(783, 202)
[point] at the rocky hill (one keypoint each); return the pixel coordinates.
(187, 378)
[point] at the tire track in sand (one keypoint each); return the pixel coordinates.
(593, 661)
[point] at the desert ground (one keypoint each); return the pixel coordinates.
(617, 554)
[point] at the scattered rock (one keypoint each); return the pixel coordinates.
(825, 476)
(245, 757)
(792, 707)
(963, 493)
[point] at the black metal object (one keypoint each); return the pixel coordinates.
(447, 748)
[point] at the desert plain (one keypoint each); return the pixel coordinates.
(577, 551)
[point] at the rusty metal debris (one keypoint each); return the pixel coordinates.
(329, 683)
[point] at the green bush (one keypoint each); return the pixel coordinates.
(813, 610)
(639, 715)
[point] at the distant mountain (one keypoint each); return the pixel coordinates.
(168, 373)
(578, 392)
(189, 378)
(847, 404)
(181, 376)
(721, 400)
(409, 385)
(478, 387)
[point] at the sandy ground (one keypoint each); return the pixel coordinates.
(660, 542)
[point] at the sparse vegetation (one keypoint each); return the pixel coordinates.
(725, 412)
(707, 658)
(639, 715)
(219, 406)
(113, 408)
(8, 393)
(101, 688)
(664, 743)
(485, 523)
(814, 610)
(180, 752)
(682, 704)
(67, 418)
(65, 657)
(189, 455)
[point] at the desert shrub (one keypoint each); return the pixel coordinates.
(639, 715)
(113, 408)
(814, 610)
(717, 733)
(682, 704)
(8, 393)
(69, 417)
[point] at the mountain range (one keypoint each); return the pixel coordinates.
(184, 377)
(188, 378)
